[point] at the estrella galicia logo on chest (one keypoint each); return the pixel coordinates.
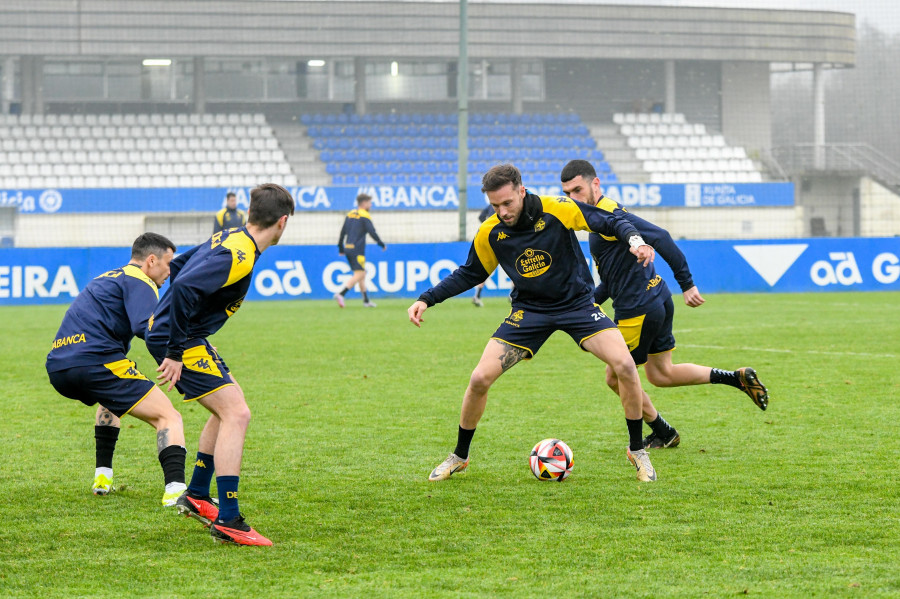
(233, 306)
(215, 240)
(533, 263)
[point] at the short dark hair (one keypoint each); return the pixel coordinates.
(268, 203)
(578, 168)
(150, 243)
(363, 197)
(230, 195)
(500, 176)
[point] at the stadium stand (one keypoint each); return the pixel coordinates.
(411, 149)
(673, 150)
(139, 151)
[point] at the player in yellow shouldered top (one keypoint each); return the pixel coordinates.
(208, 286)
(533, 239)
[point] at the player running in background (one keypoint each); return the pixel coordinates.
(88, 361)
(643, 306)
(357, 225)
(533, 239)
(208, 285)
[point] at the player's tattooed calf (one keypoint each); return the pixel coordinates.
(105, 418)
(162, 440)
(512, 356)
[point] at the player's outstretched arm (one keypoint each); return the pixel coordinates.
(416, 311)
(171, 373)
(692, 297)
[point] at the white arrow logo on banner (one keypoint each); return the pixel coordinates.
(771, 261)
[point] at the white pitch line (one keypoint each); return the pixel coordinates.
(792, 351)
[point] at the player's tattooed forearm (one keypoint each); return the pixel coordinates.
(512, 356)
(105, 418)
(162, 440)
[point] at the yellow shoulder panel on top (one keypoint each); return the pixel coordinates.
(242, 256)
(133, 271)
(566, 210)
(607, 204)
(220, 216)
(363, 213)
(482, 243)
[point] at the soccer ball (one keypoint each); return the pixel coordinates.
(551, 459)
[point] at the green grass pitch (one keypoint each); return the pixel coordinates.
(352, 408)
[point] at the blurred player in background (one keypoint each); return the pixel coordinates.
(533, 239)
(229, 217)
(352, 243)
(208, 286)
(88, 361)
(643, 306)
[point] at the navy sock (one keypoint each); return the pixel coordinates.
(724, 377)
(228, 497)
(635, 430)
(478, 292)
(463, 440)
(105, 437)
(365, 296)
(344, 291)
(204, 468)
(172, 461)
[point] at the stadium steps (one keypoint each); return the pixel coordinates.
(298, 150)
(621, 158)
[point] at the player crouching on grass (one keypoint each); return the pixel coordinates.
(88, 359)
(208, 286)
(643, 307)
(533, 239)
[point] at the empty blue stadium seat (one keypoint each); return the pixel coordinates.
(422, 147)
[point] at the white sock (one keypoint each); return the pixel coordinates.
(107, 472)
(176, 488)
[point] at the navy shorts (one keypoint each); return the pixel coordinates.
(117, 385)
(357, 261)
(203, 371)
(650, 333)
(529, 330)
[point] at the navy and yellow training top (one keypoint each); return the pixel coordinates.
(356, 226)
(104, 318)
(229, 219)
(540, 254)
(635, 289)
(207, 285)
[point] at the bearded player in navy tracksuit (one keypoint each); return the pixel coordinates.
(88, 360)
(643, 306)
(208, 286)
(533, 239)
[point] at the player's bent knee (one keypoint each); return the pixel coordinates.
(657, 377)
(624, 370)
(481, 380)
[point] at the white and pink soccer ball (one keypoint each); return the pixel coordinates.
(551, 459)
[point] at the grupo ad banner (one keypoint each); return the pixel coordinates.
(56, 275)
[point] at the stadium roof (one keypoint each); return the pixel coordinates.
(423, 29)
